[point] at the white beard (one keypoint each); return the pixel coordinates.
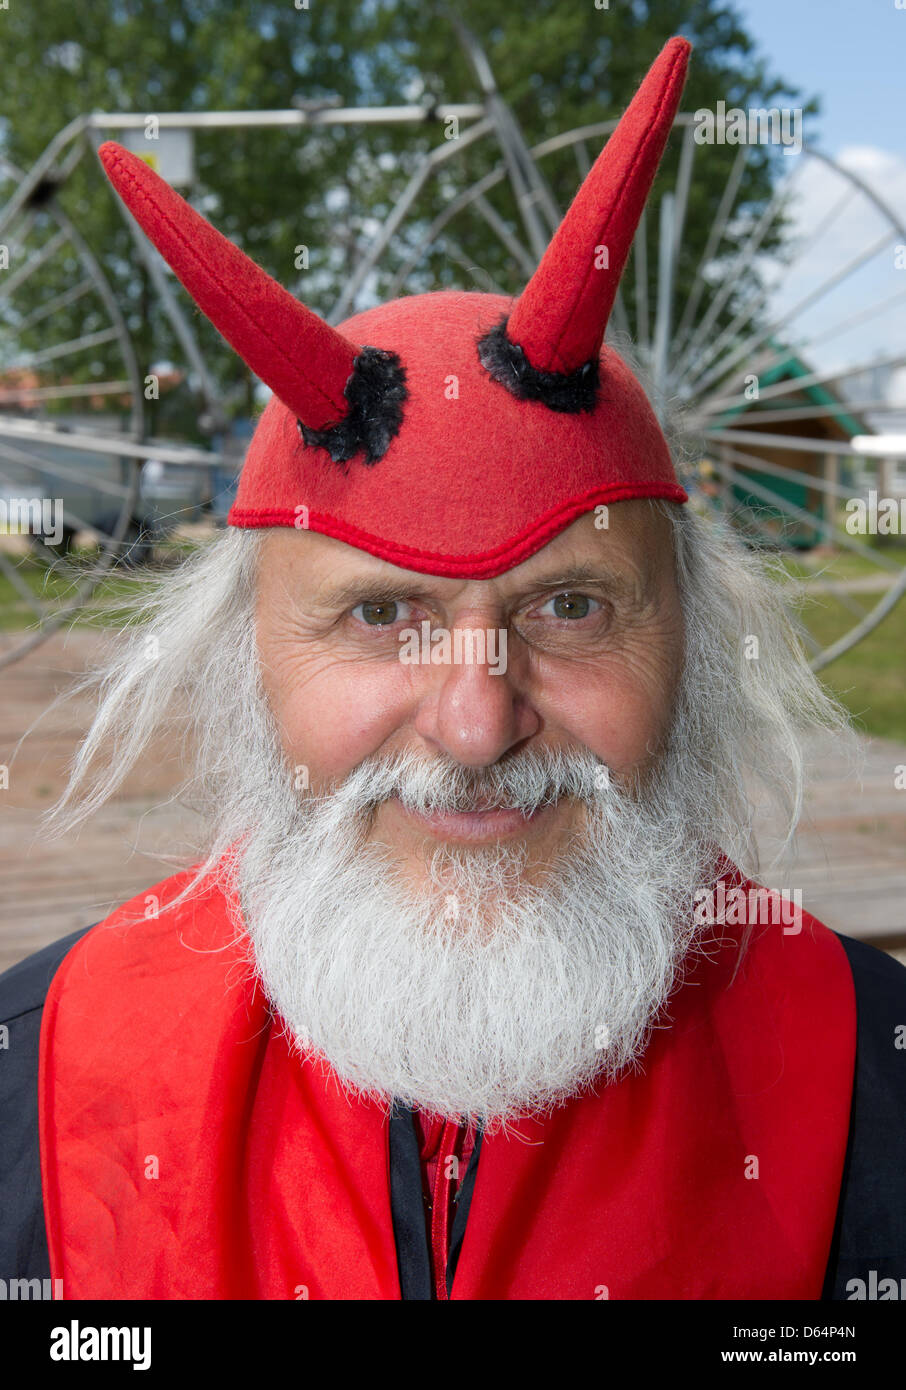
(480, 995)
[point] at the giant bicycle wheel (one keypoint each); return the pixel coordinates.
(51, 448)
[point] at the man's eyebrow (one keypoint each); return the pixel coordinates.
(575, 575)
(374, 589)
(369, 589)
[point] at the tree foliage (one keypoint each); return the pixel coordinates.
(559, 64)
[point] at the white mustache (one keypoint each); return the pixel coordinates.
(531, 779)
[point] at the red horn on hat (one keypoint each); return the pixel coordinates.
(560, 317)
(304, 361)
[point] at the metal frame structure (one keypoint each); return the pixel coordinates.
(689, 368)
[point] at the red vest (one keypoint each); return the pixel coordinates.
(186, 1153)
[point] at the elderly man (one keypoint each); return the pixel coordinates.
(468, 995)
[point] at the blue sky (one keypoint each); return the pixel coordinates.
(851, 53)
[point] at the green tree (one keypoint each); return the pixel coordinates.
(559, 64)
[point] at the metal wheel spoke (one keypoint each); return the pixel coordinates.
(54, 305)
(748, 313)
(742, 261)
(18, 278)
(792, 387)
(715, 237)
(866, 626)
(807, 412)
(59, 393)
(771, 330)
(426, 167)
(89, 340)
(777, 498)
(47, 468)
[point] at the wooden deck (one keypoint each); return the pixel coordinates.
(51, 887)
(850, 862)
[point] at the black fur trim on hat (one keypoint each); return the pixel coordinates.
(507, 363)
(375, 390)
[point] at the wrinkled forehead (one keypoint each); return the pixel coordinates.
(626, 547)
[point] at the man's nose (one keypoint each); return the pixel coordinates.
(476, 709)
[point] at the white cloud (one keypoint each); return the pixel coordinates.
(835, 221)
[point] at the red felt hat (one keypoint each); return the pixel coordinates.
(453, 433)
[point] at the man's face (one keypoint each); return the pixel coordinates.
(593, 654)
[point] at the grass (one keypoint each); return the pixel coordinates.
(870, 679)
(840, 564)
(57, 583)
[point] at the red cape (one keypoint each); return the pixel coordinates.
(186, 1153)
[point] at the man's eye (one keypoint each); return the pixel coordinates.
(569, 605)
(382, 613)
